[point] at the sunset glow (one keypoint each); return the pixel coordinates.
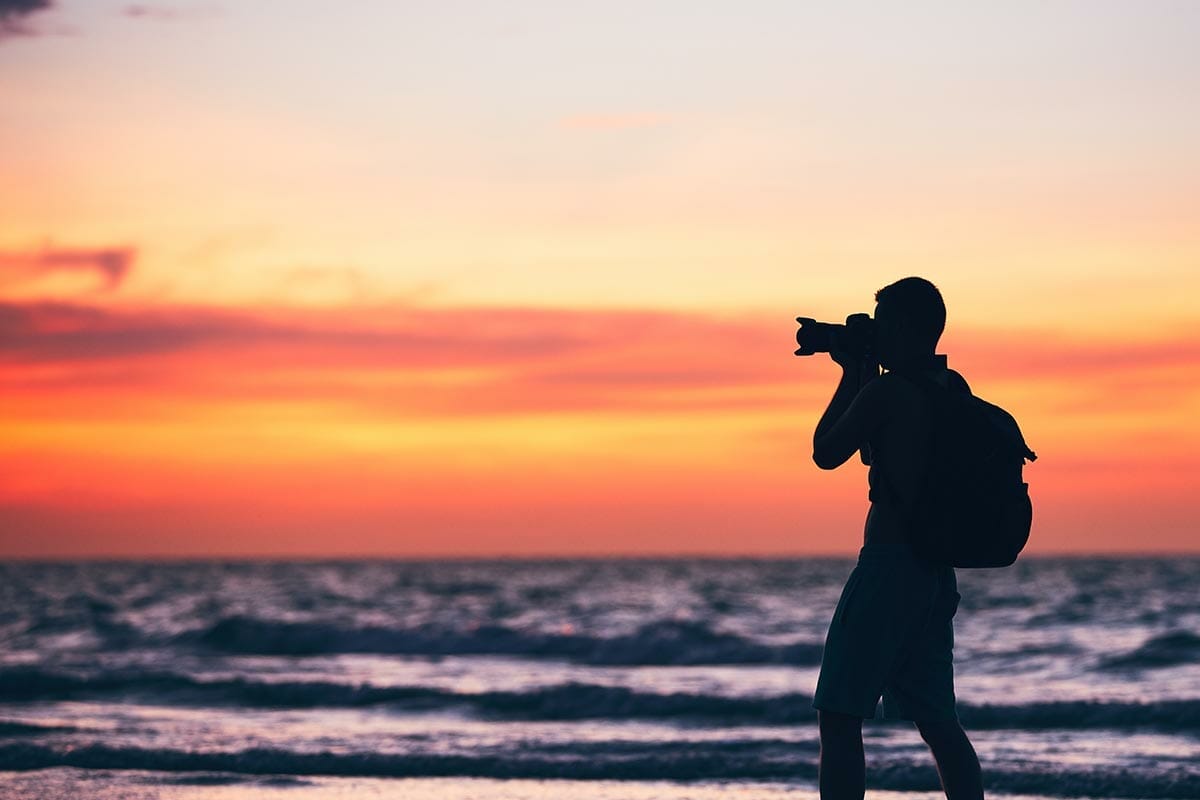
(280, 280)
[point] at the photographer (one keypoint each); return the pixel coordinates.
(891, 635)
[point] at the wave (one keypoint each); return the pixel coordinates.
(728, 760)
(568, 701)
(1167, 650)
(1163, 715)
(12, 729)
(668, 643)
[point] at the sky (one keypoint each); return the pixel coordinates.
(309, 279)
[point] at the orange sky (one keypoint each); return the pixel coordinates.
(525, 284)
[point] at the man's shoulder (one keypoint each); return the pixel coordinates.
(944, 378)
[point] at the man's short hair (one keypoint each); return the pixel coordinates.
(920, 303)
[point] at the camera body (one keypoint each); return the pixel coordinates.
(857, 336)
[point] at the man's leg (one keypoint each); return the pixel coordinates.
(957, 763)
(841, 770)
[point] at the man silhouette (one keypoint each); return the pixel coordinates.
(891, 634)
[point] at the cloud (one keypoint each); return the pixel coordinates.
(513, 360)
(428, 361)
(160, 12)
(14, 12)
(61, 333)
(66, 332)
(111, 264)
(1024, 354)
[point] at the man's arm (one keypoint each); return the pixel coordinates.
(851, 417)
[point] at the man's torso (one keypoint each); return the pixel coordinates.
(899, 451)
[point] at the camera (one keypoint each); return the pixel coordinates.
(856, 337)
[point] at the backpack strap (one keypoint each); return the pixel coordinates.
(956, 384)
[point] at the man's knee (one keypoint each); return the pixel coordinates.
(834, 724)
(940, 731)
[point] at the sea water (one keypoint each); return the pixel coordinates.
(570, 678)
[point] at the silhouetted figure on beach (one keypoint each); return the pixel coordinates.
(892, 633)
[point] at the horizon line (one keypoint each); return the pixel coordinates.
(451, 558)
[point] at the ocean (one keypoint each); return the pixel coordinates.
(635, 679)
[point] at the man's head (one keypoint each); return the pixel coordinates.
(910, 317)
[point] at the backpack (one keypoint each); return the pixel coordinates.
(973, 509)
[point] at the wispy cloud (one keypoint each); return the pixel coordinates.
(1027, 354)
(461, 360)
(50, 332)
(110, 264)
(162, 12)
(436, 361)
(13, 15)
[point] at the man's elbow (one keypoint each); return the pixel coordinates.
(825, 460)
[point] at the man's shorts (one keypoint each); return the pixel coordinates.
(892, 636)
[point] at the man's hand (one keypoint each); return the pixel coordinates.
(844, 426)
(861, 369)
(847, 352)
(847, 359)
